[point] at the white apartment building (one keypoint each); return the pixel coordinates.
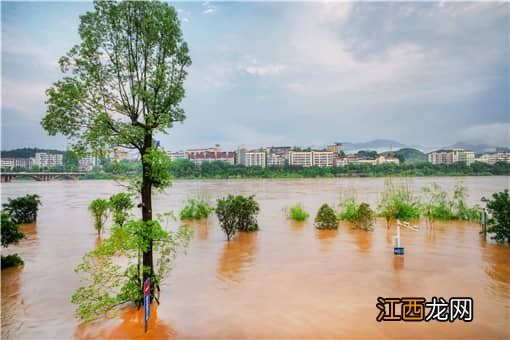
(323, 158)
(312, 158)
(301, 158)
(493, 158)
(88, 163)
(47, 160)
(177, 155)
(274, 159)
(452, 156)
(8, 163)
(255, 158)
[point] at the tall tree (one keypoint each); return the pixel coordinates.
(122, 84)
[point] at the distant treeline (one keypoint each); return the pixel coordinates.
(26, 152)
(218, 169)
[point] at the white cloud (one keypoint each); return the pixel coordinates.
(209, 9)
(257, 69)
(497, 134)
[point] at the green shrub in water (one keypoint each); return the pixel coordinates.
(11, 261)
(23, 209)
(99, 210)
(297, 213)
(326, 218)
(237, 213)
(398, 202)
(120, 204)
(196, 209)
(499, 210)
(361, 216)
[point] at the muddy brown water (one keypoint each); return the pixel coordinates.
(287, 280)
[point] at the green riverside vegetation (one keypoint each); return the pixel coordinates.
(298, 213)
(360, 215)
(326, 218)
(196, 209)
(237, 213)
(11, 234)
(498, 207)
(23, 210)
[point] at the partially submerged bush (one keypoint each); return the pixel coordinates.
(436, 205)
(196, 209)
(348, 210)
(326, 218)
(398, 202)
(499, 221)
(99, 210)
(361, 216)
(11, 261)
(237, 213)
(120, 204)
(23, 210)
(297, 212)
(11, 234)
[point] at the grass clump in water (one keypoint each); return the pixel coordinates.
(398, 203)
(360, 215)
(297, 212)
(196, 209)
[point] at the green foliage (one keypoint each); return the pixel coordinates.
(298, 213)
(407, 154)
(23, 209)
(99, 210)
(120, 204)
(196, 209)
(361, 216)
(11, 233)
(109, 284)
(348, 210)
(326, 218)
(237, 213)
(437, 205)
(159, 162)
(398, 202)
(368, 154)
(71, 161)
(26, 152)
(499, 210)
(12, 260)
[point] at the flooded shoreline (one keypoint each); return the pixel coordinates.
(286, 280)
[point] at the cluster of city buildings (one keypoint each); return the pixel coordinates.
(454, 155)
(47, 160)
(278, 156)
(331, 156)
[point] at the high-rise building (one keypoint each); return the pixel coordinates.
(335, 148)
(47, 160)
(323, 158)
(177, 155)
(301, 158)
(8, 163)
(451, 156)
(251, 158)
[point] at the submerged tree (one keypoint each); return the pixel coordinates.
(23, 210)
(499, 222)
(326, 218)
(120, 204)
(122, 84)
(99, 210)
(11, 234)
(237, 213)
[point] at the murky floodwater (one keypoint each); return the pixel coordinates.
(286, 280)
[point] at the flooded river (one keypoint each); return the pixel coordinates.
(287, 280)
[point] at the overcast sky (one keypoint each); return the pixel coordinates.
(296, 73)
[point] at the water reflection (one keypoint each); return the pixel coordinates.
(200, 229)
(12, 302)
(238, 256)
(362, 239)
(130, 326)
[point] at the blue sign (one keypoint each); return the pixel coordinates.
(147, 300)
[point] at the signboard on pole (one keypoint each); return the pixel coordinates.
(146, 302)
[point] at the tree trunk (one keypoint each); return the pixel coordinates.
(147, 204)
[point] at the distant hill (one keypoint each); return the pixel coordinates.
(26, 152)
(407, 154)
(378, 145)
(479, 148)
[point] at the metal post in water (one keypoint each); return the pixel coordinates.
(484, 221)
